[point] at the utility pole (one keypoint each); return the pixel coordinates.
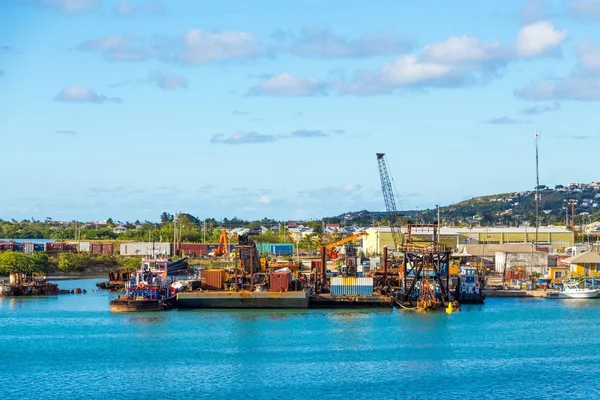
(536, 137)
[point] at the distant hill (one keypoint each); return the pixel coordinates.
(502, 209)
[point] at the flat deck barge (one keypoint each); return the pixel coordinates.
(243, 299)
(327, 300)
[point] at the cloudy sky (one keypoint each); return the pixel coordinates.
(128, 108)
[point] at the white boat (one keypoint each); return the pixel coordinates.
(573, 291)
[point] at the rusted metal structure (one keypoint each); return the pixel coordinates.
(424, 267)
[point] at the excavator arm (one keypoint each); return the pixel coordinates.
(331, 248)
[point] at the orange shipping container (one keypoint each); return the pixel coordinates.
(214, 279)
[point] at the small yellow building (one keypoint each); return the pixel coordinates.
(584, 265)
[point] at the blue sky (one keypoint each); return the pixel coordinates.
(125, 109)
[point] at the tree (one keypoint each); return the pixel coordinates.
(166, 218)
(11, 262)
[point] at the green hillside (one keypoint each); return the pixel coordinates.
(503, 209)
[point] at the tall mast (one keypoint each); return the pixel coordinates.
(536, 137)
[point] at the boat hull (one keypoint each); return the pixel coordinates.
(593, 294)
(124, 304)
(243, 299)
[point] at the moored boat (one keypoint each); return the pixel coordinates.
(574, 291)
(149, 290)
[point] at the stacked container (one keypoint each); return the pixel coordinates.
(351, 286)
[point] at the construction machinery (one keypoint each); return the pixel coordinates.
(248, 255)
(333, 249)
(390, 203)
(223, 248)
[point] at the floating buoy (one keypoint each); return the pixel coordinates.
(449, 309)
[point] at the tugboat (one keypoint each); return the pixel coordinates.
(149, 290)
(469, 287)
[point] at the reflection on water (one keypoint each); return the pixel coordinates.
(73, 346)
(139, 318)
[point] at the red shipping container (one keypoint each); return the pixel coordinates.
(7, 246)
(194, 249)
(280, 281)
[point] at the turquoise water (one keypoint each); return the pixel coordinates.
(71, 346)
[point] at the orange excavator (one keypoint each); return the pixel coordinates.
(332, 248)
(223, 248)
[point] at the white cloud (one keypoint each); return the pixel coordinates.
(408, 71)
(456, 61)
(462, 49)
(169, 82)
(589, 55)
(582, 84)
(321, 42)
(264, 200)
(201, 47)
(255, 137)
(73, 6)
(286, 84)
(242, 138)
(117, 48)
(538, 39)
(127, 8)
(504, 120)
(80, 94)
(569, 88)
(585, 9)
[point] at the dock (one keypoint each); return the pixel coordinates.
(243, 299)
(517, 293)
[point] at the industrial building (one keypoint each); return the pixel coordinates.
(556, 238)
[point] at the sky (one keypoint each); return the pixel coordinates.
(129, 108)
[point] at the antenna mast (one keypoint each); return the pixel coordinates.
(536, 137)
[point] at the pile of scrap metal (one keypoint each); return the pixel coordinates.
(20, 284)
(116, 279)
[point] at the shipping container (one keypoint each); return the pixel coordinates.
(282, 249)
(351, 286)
(55, 246)
(280, 281)
(102, 248)
(30, 247)
(214, 279)
(193, 249)
(146, 249)
(7, 246)
(85, 246)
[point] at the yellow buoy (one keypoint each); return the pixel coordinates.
(449, 308)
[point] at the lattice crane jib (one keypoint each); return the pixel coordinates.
(388, 197)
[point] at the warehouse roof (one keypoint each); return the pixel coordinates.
(583, 258)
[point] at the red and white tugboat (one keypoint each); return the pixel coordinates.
(149, 290)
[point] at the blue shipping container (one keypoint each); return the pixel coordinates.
(282, 249)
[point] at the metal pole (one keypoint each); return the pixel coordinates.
(385, 264)
(323, 267)
(536, 136)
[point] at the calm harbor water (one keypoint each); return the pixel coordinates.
(72, 347)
